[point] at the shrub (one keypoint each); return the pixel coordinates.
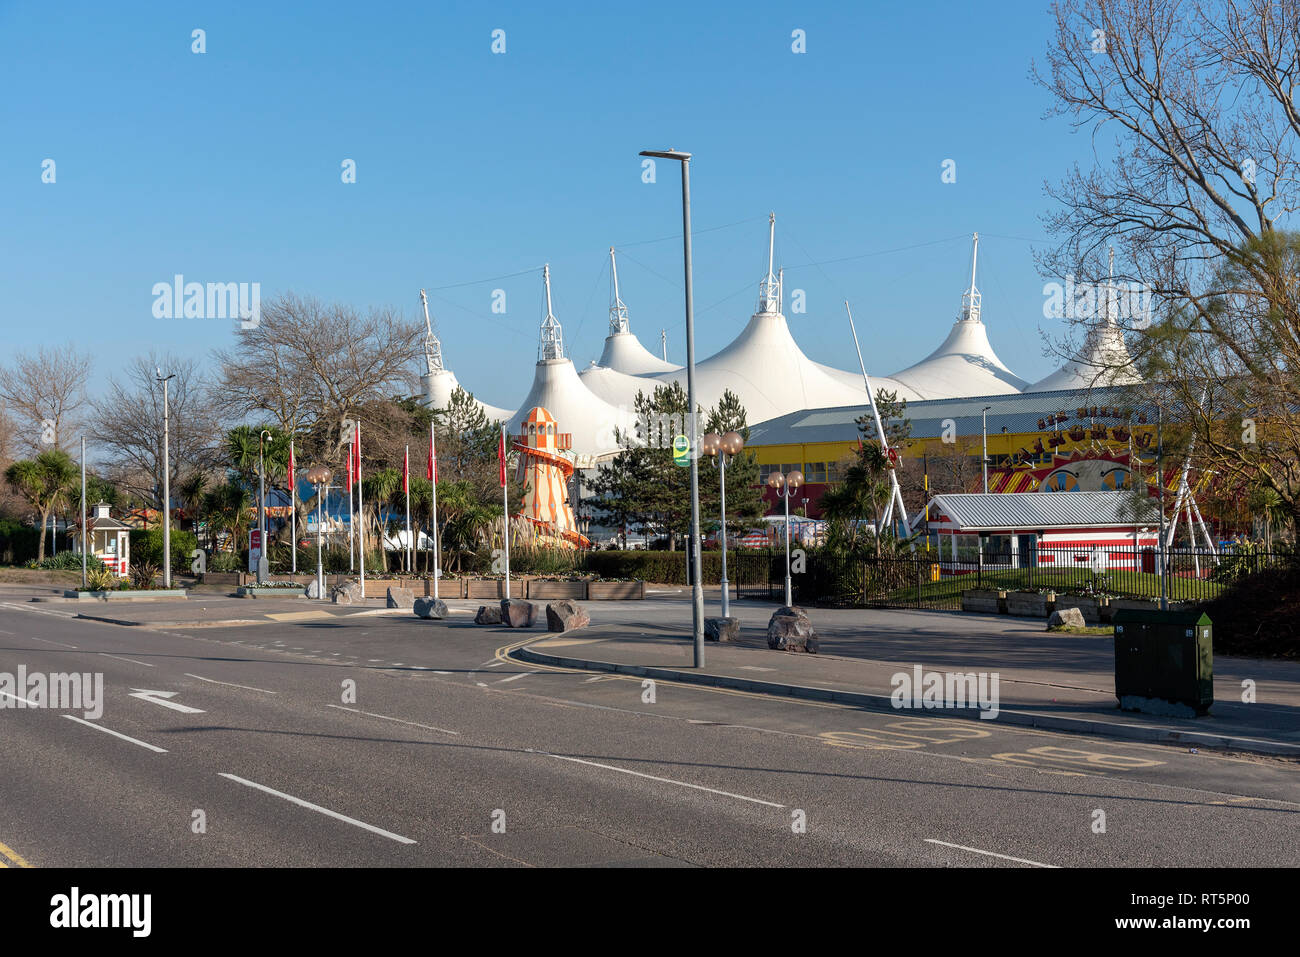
(225, 562)
(67, 561)
(147, 547)
(101, 579)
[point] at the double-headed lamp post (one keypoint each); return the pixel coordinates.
(785, 486)
(319, 476)
(723, 447)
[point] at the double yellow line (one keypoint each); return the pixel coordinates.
(11, 858)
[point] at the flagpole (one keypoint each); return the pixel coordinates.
(406, 480)
(433, 480)
(361, 510)
(505, 509)
(352, 515)
(293, 515)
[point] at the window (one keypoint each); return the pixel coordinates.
(814, 472)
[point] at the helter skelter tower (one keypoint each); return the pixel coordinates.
(546, 472)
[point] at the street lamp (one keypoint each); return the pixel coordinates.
(723, 447)
(262, 564)
(319, 476)
(984, 417)
(167, 487)
(785, 486)
(697, 585)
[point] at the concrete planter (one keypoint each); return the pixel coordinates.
(1027, 604)
(221, 578)
(254, 591)
(539, 590)
(1090, 607)
(984, 600)
(170, 594)
(616, 591)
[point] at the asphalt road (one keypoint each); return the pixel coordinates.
(452, 754)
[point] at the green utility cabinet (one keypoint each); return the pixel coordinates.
(1164, 661)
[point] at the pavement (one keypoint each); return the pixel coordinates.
(1046, 680)
(359, 737)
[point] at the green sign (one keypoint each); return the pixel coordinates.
(682, 451)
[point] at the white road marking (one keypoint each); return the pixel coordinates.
(522, 674)
(371, 714)
(116, 734)
(639, 774)
(230, 684)
(320, 810)
(755, 668)
(481, 684)
(39, 611)
(160, 697)
(34, 704)
(976, 850)
(49, 641)
(496, 664)
(132, 660)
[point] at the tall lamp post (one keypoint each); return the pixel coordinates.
(722, 448)
(319, 476)
(262, 565)
(697, 585)
(167, 486)
(785, 486)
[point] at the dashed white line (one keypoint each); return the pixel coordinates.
(496, 664)
(318, 809)
(230, 684)
(976, 850)
(50, 641)
(639, 774)
(414, 724)
(132, 660)
(522, 674)
(116, 734)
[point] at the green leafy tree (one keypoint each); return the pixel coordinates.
(865, 490)
(45, 483)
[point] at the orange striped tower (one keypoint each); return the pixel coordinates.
(546, 473)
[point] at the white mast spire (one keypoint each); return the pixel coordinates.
(769, 291)
(663, 343)
(1110, 285)
(552, 341)
(432, 347)
(618, 322)
(970, 300)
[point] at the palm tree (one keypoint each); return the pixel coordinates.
(45, 482)
(191, 493)
(379, 489)
(229, 509)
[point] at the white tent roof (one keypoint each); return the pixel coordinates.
(624, 353)
(1104, 360)
(576, 409)
(617, 388)
(965, 364)
(438, 387)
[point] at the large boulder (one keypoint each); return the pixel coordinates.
(347, 593)
(488, 615)
(399, 597)
(566, 615)
(790, 629)
(1066, 617)
(721, 629)
(517, 613)
(430, 608)
(313, 588)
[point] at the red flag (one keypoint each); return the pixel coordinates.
(356, 449)
(406, 471)
(349, 466)
(501, 457)
(431, 466)
(290, 464)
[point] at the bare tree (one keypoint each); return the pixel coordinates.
(46, 393)
(1200, 175)
(310, 365)
(128, 422)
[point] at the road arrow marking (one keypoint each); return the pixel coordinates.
(160, 697)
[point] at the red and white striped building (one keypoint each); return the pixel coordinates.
(1094, 530)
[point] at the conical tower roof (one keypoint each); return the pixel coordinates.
(965, 363)
(439, 386)
(623, 351)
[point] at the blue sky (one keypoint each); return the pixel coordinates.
(225, 167)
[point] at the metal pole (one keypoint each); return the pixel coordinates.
(352, 551)
(722, 485)
(167, 496)
(293, 518)
(261, 509)
(984, 419)
(320, 533)
(1160, 483)
(789, 596)
(361, 510)
(410, 543)
(697, 587)
(83, 513)
(437, 550)
(505, 517)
